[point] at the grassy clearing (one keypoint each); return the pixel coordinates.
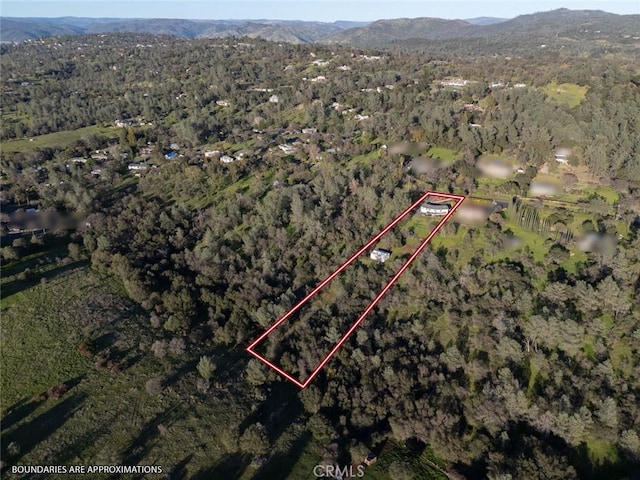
(366, 159)
(37, 322)
(39, 264)
(601, 451)
(568, 94)
(444, 154)
(423, 465)
(609, 194)
(622, 358)
(56, 140)
(499, 156)
(458, 241)
(107, 417)
(573, 262)
(493, 188)
(588, 348)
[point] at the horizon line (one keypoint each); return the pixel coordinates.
(240, 19)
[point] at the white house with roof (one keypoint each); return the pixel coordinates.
(434, 209)
(99, 156)
(380, 255)
(123, 123)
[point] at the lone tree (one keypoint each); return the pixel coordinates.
(206, 369)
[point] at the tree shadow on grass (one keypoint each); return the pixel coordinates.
(141, 445)
(172, 378)
(231, 467)
(25, 407)
(280, 409)
(280, 465)
(28, 435)
(16, 286)
(103, 342)
(19, 411)
(179, 472)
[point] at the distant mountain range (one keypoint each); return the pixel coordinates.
(14, 29)
(566, 25)
(563, 25)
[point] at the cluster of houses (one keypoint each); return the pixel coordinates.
(224, 158)
(461, 82)
(378, 89)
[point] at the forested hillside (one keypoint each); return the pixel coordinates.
(213, 182)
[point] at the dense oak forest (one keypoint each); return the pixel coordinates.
(506, 351)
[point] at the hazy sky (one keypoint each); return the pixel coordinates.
(321, 10)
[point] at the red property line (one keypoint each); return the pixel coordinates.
(367, 310)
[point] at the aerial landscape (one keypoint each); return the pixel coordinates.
(262, 241)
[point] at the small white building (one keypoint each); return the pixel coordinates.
(227, 159)
(274, 99)
(287, 149)
(434, 209)
(380, 255)
(562, 155)
(123, 123)
(138, 166)
(454, 82)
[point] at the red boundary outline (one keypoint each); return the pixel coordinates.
(459, 199)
